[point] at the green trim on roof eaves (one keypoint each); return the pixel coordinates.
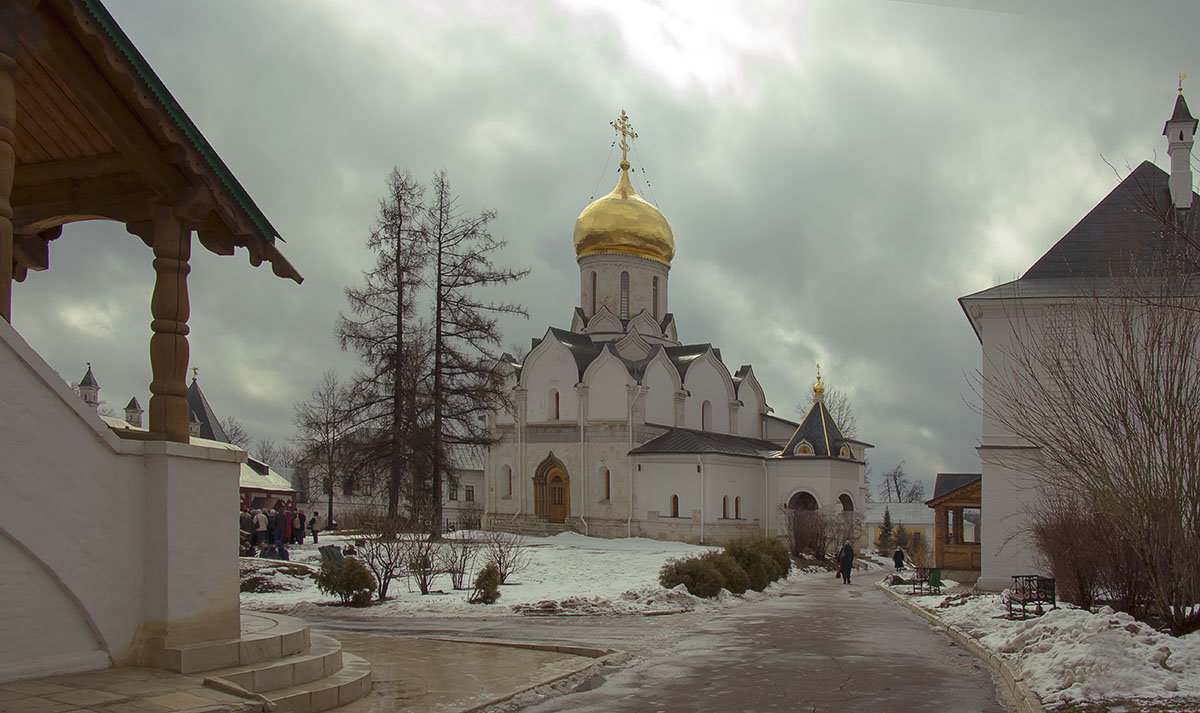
(180, 117)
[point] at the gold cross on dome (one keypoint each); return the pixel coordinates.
(1182, 76)
(625, 129)
(195, 372)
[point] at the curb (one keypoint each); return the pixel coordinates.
(1018, 691)
(555, 648)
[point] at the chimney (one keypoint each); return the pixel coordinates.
(1179, 130)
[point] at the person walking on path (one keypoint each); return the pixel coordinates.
(314, 524)
(298, 528)
(845, 560)
(898, 559)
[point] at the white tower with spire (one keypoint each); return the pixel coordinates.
(1180, 130)
(89, 390)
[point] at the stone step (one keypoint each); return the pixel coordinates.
(264, 637)
(323, 658)
(351, 682)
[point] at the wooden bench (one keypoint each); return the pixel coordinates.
(1029, 589)
(927, 580)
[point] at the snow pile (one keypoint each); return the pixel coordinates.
(568, 574)
(1072, 655)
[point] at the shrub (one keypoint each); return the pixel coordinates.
(761, 567)
(487, 586)
(350, 580)
(700, 576)
(508, 552)
(736, 579)
(776, 550)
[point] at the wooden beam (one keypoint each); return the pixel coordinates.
(52, 171)
(121, 198)
(32, 252)
(56, 48)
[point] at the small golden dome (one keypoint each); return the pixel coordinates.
(623, 223)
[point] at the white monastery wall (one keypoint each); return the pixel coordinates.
(608, 394)
(706, 383)
(135, 575)
(660, 401)
(608, 269)
(1006, 467)
(551, 369)
(749, 415)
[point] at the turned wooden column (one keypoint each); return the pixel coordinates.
(169, 307)
(8, 166)
(941, 525)
(959, 531)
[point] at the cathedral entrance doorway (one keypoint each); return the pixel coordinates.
(557, 510)
(552, 490)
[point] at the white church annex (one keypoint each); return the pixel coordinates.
(616, 428)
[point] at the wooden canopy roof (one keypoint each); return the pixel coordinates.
(99, 136)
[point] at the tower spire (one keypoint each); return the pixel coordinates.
(1180, 130)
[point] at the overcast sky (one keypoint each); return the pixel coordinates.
(837, 173)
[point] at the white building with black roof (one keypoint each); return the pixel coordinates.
(1128, 232)
(616, 428)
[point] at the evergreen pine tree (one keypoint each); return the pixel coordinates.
(884, 542)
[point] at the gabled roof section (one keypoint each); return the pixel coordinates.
(820, 431)
(690, 441)
(1129, 227)
(133, 405)
(210, 426)
(581, 347)
(947, 483)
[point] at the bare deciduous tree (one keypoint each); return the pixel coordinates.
(235, 432)
(508, 552)
(321, 429)
(897, 487)
(1104, 386)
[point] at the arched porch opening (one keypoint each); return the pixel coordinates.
(552, 490)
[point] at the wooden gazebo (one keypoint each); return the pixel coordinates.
(952, 494)
(89, 132)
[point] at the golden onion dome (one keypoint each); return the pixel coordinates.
(623, 223)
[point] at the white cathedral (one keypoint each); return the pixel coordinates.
(615, 428)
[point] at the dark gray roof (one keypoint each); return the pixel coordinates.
(210, 426)
(949, 482)
(89, 379)
(687, 440)
(820, 431)
(685, 354)
(133, 405)
(1130, 227)
(1181, 113)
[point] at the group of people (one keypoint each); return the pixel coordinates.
(277, 527)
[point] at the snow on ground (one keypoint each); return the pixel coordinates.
(568, 574)
(1071, 655)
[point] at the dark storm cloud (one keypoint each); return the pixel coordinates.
(837, 174)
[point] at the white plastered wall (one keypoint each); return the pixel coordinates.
(111, 525)
(660, 400)
(549, 367)
(705, 381)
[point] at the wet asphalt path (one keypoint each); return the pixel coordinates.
(825, 647)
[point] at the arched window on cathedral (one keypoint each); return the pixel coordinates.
(607, 484)
(506, 479)
(654, 296)
(725, 507)
(593, 292)
(706, 416)
(674, 506)
(737, 508)
(552, 405)
(624, 295)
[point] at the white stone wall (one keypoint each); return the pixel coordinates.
(608, 269)
(707, 381)
(129, 535)
(660, 400)
(608, 383)
(550, 368)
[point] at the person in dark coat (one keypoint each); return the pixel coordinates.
(845, 560)
(272, 525)
(898, 559)
(314, 524)
(298, 528)
(281, 519)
